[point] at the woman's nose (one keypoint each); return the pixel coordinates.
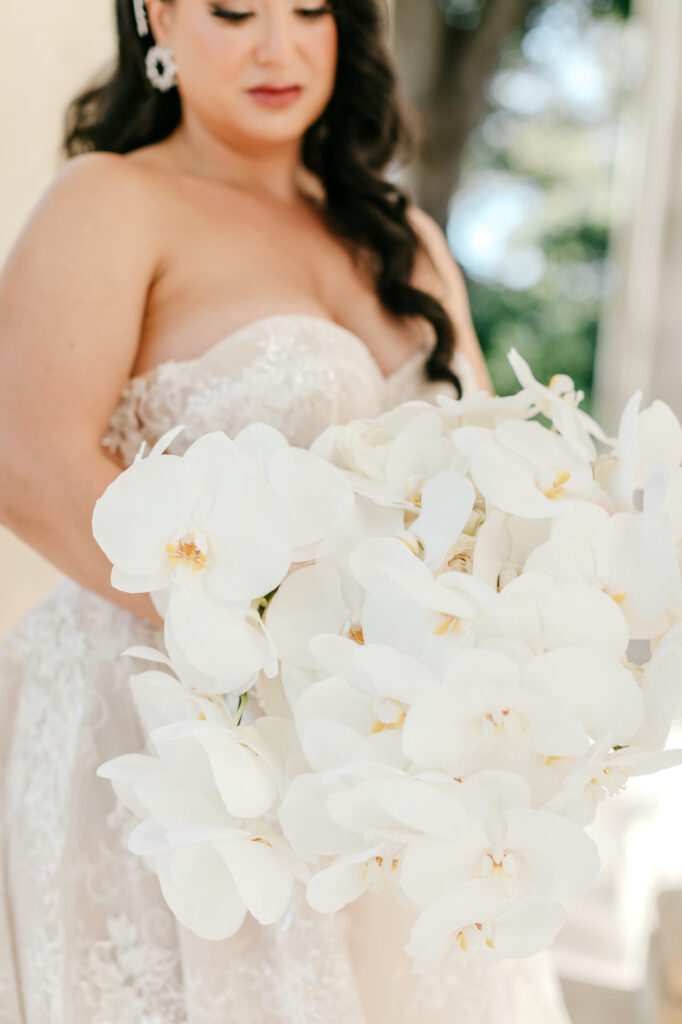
(277, 38)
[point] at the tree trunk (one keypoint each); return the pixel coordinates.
(444, 71)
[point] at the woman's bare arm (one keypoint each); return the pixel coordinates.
(449, 287)
(72, 296)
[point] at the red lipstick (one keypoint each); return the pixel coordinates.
(276, 96)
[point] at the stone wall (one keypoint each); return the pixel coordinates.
(47, 54)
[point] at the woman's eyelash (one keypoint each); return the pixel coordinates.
(308, 12)
(229, 15)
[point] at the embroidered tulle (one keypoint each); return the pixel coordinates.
(85, 935)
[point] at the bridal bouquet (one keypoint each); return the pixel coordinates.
(413, 658)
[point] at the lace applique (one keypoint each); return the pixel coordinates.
(129, 975)
(71, 879)
(519, 991)
(289, 372)
(296, 970)
(297, 373)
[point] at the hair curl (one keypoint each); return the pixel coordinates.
(366, 126)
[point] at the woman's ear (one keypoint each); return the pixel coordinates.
(160, 17)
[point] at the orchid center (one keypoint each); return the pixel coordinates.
(556, 490)
(355, 633)
(447, 624)
(613, 779)
(462, 561)
(416, 499)
(503, 723)
(378, 872)
(410, 542)
(390, 714)
(261, 839)
(497, 720)
(189, 552)
(473, 936)
(502, 865)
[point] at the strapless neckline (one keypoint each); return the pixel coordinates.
(343, 333)
(298, 372)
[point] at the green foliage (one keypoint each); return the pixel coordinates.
(620, 8)
(553, 324)
(526, 321)
(552, 331)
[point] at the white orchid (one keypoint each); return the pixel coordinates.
(367, 521)
(216, 648)
(211, 877)
(603, 772)
(219, 526)
(665, 649)
(357, 864)
(202, 802)
(356, 712)
(631, 556)
(205, 516)
(317, 498)
(525, 470)
(363, 817)
(504, 545)
(308, 603)
(426, 617)
(527, 853)
(389, 459)
(244, 766)
(484, 716)
(559, 403)
(475, 922)
(480, 409)
(653, 434)
(446, 503)
(161, 699)
(591, 686)
(544, 614)
(409, 648)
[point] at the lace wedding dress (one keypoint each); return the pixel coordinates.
(85, 935)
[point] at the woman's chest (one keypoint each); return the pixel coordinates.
(225, 266)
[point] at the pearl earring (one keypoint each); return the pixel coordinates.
(141, 17)
(166, 78)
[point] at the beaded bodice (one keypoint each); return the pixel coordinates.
(298, 373)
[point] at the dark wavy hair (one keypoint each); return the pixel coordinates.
(366, 126)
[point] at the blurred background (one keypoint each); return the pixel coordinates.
(552, 158)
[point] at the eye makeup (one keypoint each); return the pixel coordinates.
(241, 16)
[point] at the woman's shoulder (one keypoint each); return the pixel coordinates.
(435, 266)
(101, 175)
(443, 277)
(102, 191)
(96, 196)
(433, 238)
(422, 222)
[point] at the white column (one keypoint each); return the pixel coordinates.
(641, 337)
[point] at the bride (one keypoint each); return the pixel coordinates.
(223, 247)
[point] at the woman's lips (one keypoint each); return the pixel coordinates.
(270, 97)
